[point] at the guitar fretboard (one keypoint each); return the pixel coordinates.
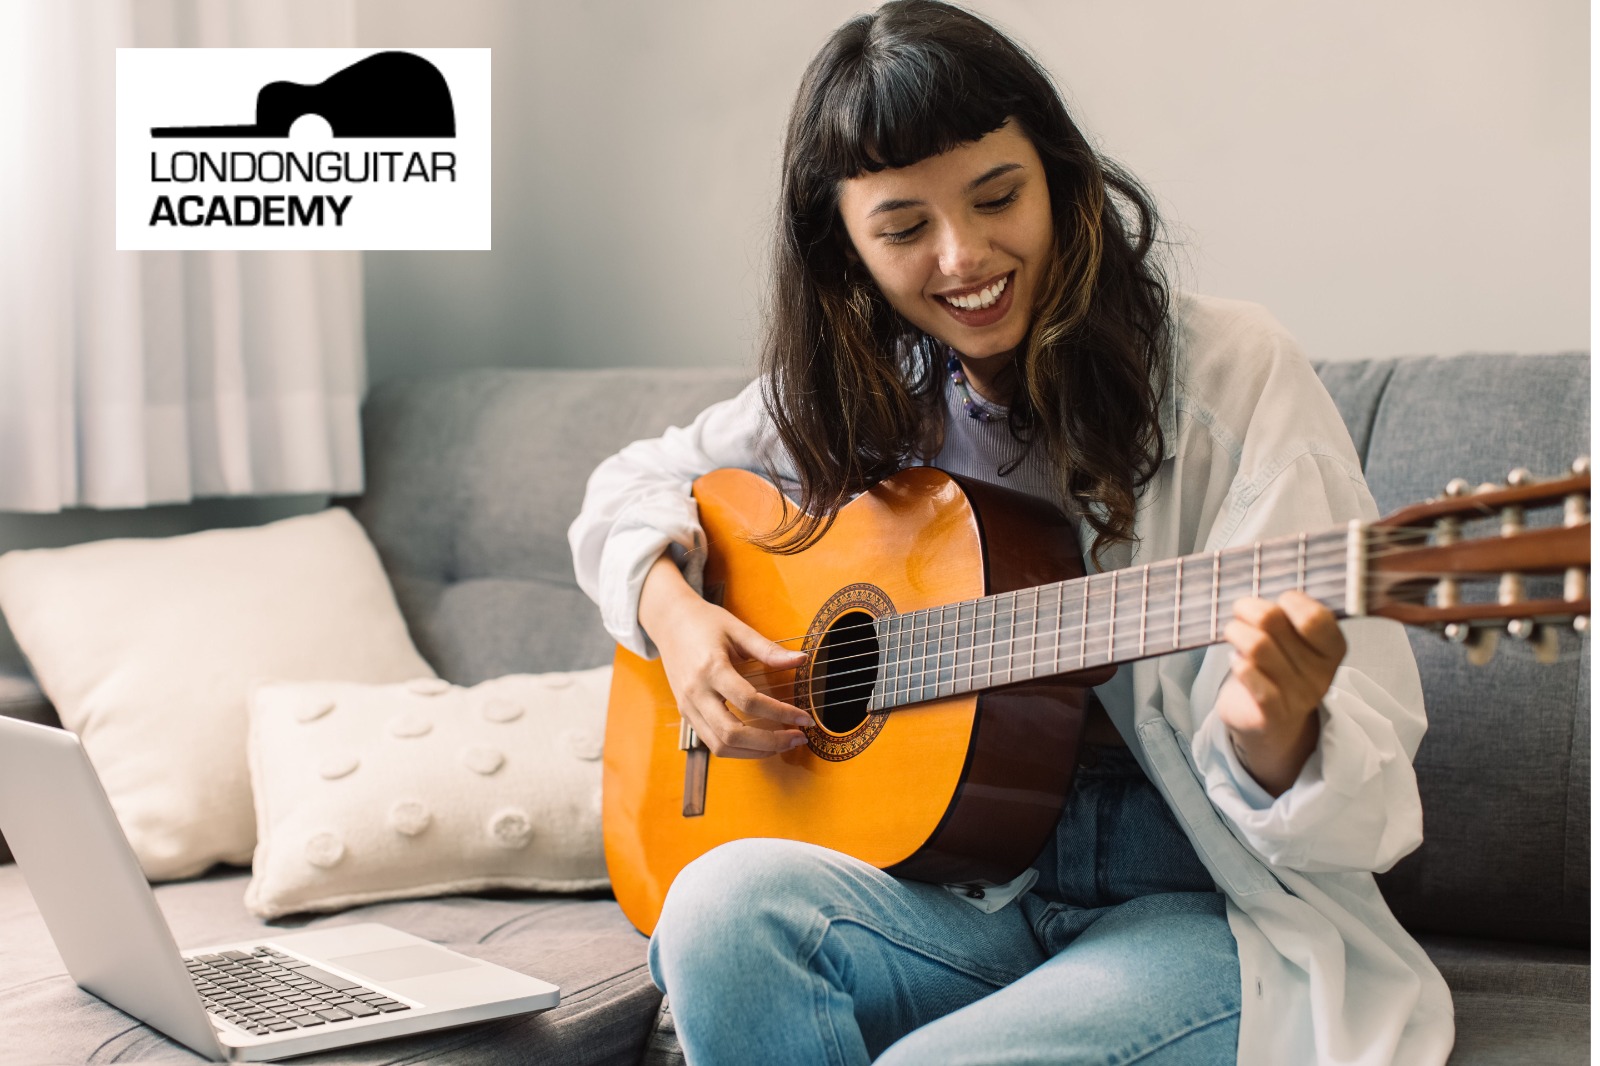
(1093, 621)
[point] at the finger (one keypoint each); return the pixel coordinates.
(753, 645)
(1262, 692)
(1272, 620)
(1315, 625)
(728, 737)
(736, 689)
(1265, 651)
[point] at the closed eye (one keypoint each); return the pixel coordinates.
(1001, 204)
(901, 236)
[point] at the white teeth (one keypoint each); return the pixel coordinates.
(981, 299)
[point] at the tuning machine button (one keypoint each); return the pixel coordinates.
(1541, 638)
(1479, 643)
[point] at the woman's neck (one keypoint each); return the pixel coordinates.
(992, 379)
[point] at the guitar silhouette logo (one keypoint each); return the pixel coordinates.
(387, 94)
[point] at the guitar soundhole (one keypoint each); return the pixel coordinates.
(847, 663)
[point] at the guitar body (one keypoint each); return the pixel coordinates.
(955, 790)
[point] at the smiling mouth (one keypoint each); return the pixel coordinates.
(980, 299)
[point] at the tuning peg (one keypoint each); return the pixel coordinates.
(1479, 643)
(1580, 624)
(1580, 465)
(1519, 476)
(1458, 486)
(1480, 646)
(1486, 486)
(1542, 639)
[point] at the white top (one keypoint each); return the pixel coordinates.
(1255, 449)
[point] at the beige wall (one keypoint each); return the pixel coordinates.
(1388, 177)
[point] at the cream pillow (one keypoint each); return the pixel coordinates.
(148, 648)
(373, 792)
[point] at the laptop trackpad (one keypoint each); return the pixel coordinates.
(398, 964)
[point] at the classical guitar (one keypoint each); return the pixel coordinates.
(952, 639)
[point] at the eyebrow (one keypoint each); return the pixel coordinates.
(987, 176)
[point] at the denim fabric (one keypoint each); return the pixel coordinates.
(776, 951)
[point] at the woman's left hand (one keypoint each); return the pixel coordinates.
(1284, 657)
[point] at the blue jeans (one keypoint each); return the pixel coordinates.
(774, 951)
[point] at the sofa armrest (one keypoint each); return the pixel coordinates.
(20, 698)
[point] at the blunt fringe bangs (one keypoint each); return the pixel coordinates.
(852, 388)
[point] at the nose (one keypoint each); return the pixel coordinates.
(963, 249)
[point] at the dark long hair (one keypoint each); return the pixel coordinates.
(851, 386)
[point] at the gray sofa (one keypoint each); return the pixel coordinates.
(472, 479)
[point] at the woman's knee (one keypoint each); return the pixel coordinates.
(746, 895)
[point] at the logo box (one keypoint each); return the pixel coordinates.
(303, 148)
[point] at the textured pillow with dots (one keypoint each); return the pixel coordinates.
(374, 792)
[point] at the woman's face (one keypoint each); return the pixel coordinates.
(958, 242)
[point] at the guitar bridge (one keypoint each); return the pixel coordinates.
(697, 762)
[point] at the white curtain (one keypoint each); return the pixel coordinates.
(137, 378)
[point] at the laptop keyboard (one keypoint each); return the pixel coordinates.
(264, 991)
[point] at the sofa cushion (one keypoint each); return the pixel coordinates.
(608, 1003)
(1356, 388)
(147, 647)
(472, 480)
(1504, 768)
(379, 792)
(1515, 1003)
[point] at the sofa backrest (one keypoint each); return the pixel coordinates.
(1504, 767)
(472, 479)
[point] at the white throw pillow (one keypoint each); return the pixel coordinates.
(148, 648)
(373, 792)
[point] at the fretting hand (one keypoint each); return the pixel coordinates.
(1284, 657)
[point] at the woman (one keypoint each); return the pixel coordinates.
(962, 281)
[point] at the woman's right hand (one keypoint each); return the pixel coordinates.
(699, 643)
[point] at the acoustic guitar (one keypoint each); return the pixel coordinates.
(952, 638)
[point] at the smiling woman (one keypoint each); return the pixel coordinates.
(963, 282)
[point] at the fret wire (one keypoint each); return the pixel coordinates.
(1216, 584)
(1144, 606)
(986, 607)
(1177, 604)
(1011, 638)
(1111, 636)
(1083, 626)
(1255, 573)
(961, 618)
(1032, 636)
(919, 647)
(949, 646)
(1300, 576)
(907, 641)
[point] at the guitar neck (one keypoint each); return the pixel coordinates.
(1105, 619)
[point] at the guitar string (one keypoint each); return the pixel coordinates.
(1318, 547)
(1047, 647)
(1234, 556)
(1095, 651)
(1316, 561)
(895, 663)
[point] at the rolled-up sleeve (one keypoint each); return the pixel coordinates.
(1355, 804)
(638, 503)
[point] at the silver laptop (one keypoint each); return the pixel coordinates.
(269, 998)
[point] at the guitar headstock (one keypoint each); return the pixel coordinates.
(1475, 562)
